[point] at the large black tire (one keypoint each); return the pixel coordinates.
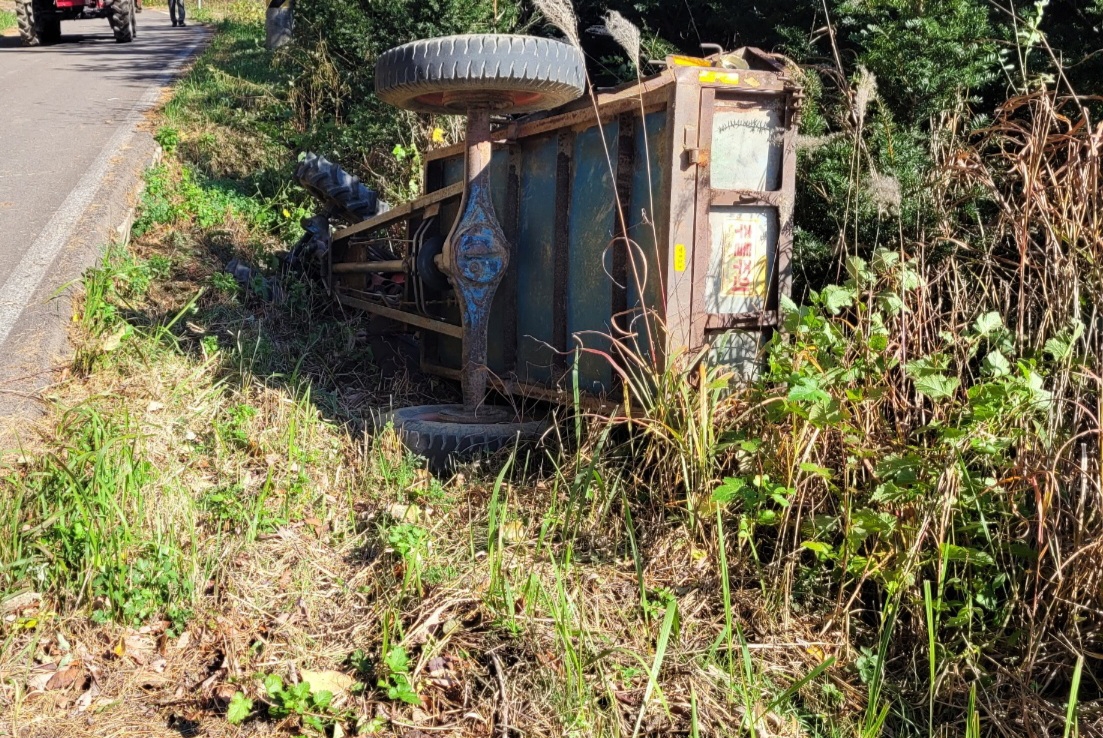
(124, 21)
(340, 192)
(30, 25)
(507, 73)
(424, 433)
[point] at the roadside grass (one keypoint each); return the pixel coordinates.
(7, 19)
(208, 532)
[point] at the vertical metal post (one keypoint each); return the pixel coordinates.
(476, 256)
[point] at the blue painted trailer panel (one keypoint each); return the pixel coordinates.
(535, 259)
(589, 286)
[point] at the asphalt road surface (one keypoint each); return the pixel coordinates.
(68, 112)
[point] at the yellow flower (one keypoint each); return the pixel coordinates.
(438, 135)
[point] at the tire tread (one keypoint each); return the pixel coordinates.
(477, 62)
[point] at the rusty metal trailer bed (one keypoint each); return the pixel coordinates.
(659, 212)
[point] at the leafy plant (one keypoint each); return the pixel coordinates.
(239, 709)
(312, 708)
(395, 681)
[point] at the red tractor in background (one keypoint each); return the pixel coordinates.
(40, 20)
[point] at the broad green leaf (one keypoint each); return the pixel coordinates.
(820, 471)
(858, 271)
(729, 490)
(960, 553)
(909, 278)
(988, 323)
(997, 364)
(396, 660)
(807, 389)
(936, 386)
(819, 548)
(273, 685)
(883, 260)
(836, 297)
(1058, 348)
(891, 303)
(239, 709)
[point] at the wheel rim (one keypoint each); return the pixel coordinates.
(462, 100)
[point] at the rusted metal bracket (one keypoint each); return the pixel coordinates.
(475, 258)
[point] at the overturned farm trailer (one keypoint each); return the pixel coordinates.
(658, 213)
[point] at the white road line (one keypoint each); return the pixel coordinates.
(21, 285)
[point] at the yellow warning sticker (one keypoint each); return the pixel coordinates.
(689, 61)
(679, 257)
(712, 75)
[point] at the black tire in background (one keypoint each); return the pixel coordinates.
(336, 189)
(123, 21)
(29, 29)
(507, 73)
(424, 432)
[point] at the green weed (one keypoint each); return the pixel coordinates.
(79, 533)
(395, 679)
(312, 709)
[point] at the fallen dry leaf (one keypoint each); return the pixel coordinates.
(115, 340)
(334, 682)
(138, 647)
(225, 692)
(404, 513)
(40, 676)
(86, 699)
(66, 677)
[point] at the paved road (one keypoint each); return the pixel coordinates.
(68, 112)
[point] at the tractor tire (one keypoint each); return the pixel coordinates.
(343, 194)
(124, 21)
(442, 442)
(505, 73)
(31, 30)
(50, 30)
